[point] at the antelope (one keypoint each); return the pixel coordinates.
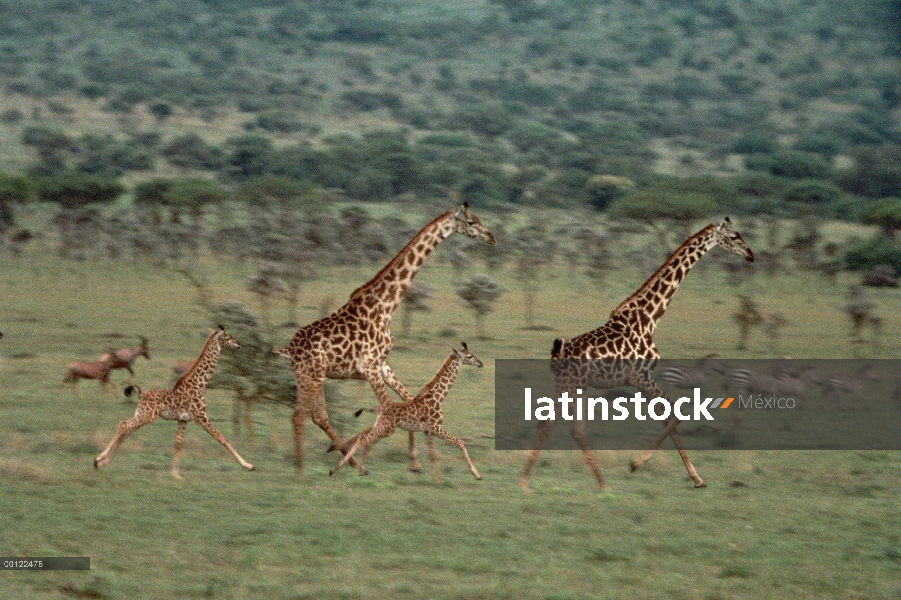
(122, 359)
(98, 370)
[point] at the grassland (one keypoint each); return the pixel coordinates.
(770, 524)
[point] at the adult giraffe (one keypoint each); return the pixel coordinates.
(627, 338)
(354, 341)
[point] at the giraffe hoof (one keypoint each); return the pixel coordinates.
(250, 468)
(479, 478)
(331, 472)
(364, 473)
(701, 485)
(633, 466)
(415, 470)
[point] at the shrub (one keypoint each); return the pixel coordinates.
(876, 172)
(795, 164)
(76, 190)
(604, 189)
(813, 192)
(878, 250)
(886, 213)
(279, 121)
(754, 143)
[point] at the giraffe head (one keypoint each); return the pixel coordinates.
(468, 224)
(467, 357)
(726, 237)
(225, 340)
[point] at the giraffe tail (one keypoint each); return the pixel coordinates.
(281, 351)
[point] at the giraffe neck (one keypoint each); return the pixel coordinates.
(444, 379)
(653, 297)
(202, 370)
(391, 283)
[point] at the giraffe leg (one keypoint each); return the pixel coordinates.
(298, 420)
(434, 457)
(320, 418)
(179, 446)
(394, 383)
(692, 472)
(542, 431)
(125, 429)
(668, 428)
(309, 385)
(204, 421)
(645, 382)
(365, 441)
(414, 455)
(439, 431)
(581, 438)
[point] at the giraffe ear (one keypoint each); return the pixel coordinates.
(464, 346)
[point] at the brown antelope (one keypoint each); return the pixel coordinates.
(180, 367)
(98, 370)
(122, 359)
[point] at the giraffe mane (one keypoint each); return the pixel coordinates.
(623, 305)
(189, 372)
(400, 253)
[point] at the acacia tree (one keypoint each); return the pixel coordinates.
(414, 301)
(479, 295)
(77, 194)
(886, 213)
(534, 250)
(14, 190)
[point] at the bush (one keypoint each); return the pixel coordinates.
(876, 172)
(813, 192)
(878, 250)
(77, 190)
(790, 163)
(754, 143)
(279, 121)
(886, 213)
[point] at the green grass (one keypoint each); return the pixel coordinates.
(770, 524)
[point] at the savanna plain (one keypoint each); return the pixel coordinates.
(786, 524)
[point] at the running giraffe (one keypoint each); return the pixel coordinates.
(354, 341)
(627, 337)
(422, 413)
(183, 403)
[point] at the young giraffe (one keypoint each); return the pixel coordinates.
(183, 403)
(354, 341)
(422, 413)
(628, 337)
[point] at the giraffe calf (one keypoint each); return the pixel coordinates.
(422, 413)
(183, 403)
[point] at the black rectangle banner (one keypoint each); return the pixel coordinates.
(45, 563)
(722, 404)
